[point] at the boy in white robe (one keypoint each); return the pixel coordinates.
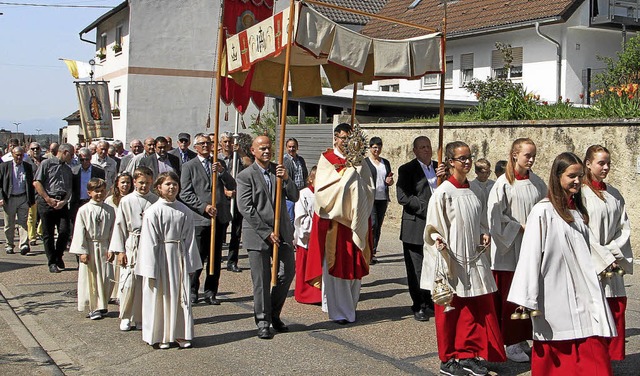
(91, 235)
(124, 243)
(482, 183)
(167, 255)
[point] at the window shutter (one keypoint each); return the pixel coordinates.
(466, 61)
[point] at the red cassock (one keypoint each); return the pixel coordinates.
(618, 307)
(583, 356)
(304, 292)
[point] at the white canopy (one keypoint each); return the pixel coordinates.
(346, 57)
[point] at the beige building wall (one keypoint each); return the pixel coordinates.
(493, 140)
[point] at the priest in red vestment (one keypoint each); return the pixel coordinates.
(340, 242)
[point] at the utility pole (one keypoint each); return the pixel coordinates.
(17, 125)
(38, 130)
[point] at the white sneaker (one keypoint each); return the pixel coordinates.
(164, 345)
(125, 325)
(516, 354)
(183, 343)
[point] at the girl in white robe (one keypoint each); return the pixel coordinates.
(456, 241)
(304, 292)
(122, 187)
(556, 279)
(167, 255)
(124, 243)
(609, 238)
(91, 235)
(511, 199)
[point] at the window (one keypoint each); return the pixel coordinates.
(117, 47)
(466, 68)
(102, 47)
(431, 81)
(498, 69)
(392, 88)
(115, 109)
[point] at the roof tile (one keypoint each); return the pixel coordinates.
(369, 6)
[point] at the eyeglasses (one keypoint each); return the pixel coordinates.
(83, 159)
(34, 149)
(463, 158)
(203, 143)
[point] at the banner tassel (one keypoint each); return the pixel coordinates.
(226, 114)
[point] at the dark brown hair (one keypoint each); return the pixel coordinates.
(95, 184)
(115, 191)
(587, 179)
(161, 179)
(557, 195)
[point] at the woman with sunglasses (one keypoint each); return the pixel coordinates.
(510, 200)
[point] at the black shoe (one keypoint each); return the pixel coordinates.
(473, 366)
(194, 298)
(279, 326)
(373, 261)
(452, 368)
(233, 268)
(60, 264)
(421, 315)
(342, 322)
(265, 333)
(9, 251)
(53, 268)
(211, 300)
(24, 250)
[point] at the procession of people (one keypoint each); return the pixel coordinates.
(516, 268)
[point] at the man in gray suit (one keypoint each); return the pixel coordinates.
(416, 181)
(161, 161)
(256, 202)
(195, 181)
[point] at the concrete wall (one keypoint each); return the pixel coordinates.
(493, 140)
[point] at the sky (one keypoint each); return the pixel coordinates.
(36, 88)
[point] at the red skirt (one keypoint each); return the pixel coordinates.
(304, 292)
(584, 356)
(513, 331)
(470, 330)
(616, 344)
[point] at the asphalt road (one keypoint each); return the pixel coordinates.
(42, 333)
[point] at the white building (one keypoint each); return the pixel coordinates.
(555, 45)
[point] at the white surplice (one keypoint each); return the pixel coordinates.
(303, 217)
(167, 253)
(555, 275)
(114, 264)
(483, 187)
(91, 236)
(126, 234)
(458, 216)
(610, 236)
(507, 209)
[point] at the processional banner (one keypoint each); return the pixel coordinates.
(95, 109)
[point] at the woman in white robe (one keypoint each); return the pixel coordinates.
(610, 238)
(456, 241)
(124, 242)
(167, 255)
(556, 279)
(511, 199)
(91, 236)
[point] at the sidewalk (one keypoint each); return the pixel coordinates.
(48, 336)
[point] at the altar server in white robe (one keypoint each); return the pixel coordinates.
(557, 280)
(610, 238)
(124, 243)
(456, 241)
(91, 235)
(167, 255)
(511, 199)
(482, 181)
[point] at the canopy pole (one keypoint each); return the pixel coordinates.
(354, 99)
(214, 148)
(371, 15)
(283, 125)
(442, 79)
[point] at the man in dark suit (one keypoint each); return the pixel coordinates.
(256, 202)
(183, 152)
(16, 196)
(416, 180)
(195, 192)
(82, 173)
(161, 161)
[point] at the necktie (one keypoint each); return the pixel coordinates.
(267, 179)
(207, 167)
(184, 157)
